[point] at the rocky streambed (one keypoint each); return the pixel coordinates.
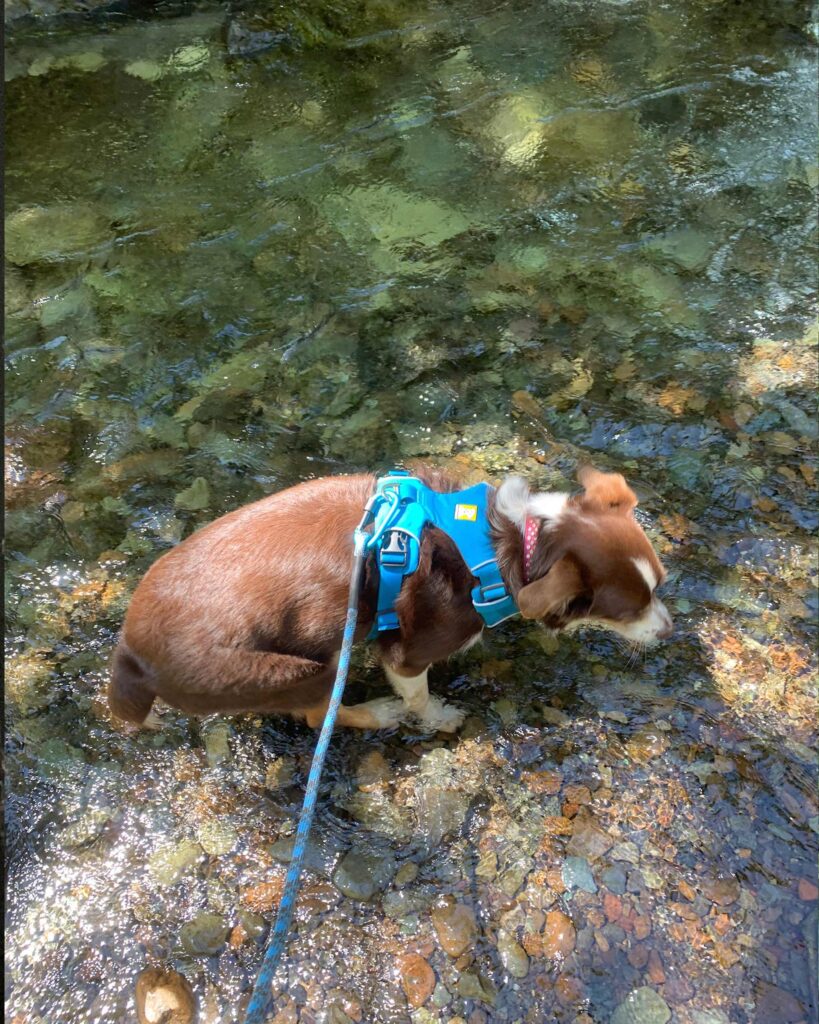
(245, 249)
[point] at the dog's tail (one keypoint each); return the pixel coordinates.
(130, 689)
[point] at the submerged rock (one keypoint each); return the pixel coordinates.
(776, 1006)
(361, 875)
(195, 497)
(168, 864)
(417, 979)
(476, 986)
(217, 837)
(512, 955)
(38, 234)
(577, 874)
(722, 891)
(455, 926)
(646, 744)
(164, 997)
(559, 935)
(205, 935)
(642, 1006)
(589, 840)
(87, 829)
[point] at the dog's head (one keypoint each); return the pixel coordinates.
(590, 561)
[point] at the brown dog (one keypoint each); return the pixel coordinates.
(247, 614)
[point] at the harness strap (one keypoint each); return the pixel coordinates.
(403, 506)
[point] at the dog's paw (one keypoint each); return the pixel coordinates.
(386, 711)
(441, 717)
(152, 720)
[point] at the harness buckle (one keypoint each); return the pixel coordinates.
(395, 552)
(492, 592)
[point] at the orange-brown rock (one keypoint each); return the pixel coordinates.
(543, 782)
(263, 897)
(655, 968)
(559, 935)
(417, 979)
(612, 907)
(569, 990)
(455, 926)
(577, 795)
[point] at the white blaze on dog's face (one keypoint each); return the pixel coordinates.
(593, 564)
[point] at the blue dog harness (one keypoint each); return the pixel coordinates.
(403, 506)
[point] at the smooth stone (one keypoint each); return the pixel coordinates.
(589, 840)
(614, 879)
(559, 935)
(403, 903)
(722, 891)
(441, 996)
(168, 864)
(512, 955)
(642, 1006)
(576, 874)
(474, 986)
(776, 1006)
(360, 875)
(37, 234)
(217, 837)
(217, 746)
(164, 997)
(626, 851)
(417, 979)
(456, 927)
(205, 935)
(407, 873)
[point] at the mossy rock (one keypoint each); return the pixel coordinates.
(38, 234)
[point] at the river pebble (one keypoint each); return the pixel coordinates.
(512, 955)
(360, 875)
(559, 935)
(164, 997)
(576, 874)
(417, 979)
(455, 926)
(205, 935)
(642, 1006)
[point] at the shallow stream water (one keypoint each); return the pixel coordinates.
(503, 238)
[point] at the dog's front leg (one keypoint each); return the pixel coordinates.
(431, 712)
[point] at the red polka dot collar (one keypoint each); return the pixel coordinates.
(530, 533)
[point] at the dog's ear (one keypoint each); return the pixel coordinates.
(605, 492)
(550, 595)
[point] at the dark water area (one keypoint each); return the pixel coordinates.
(245, 249)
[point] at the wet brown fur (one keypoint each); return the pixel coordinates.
(247, 614)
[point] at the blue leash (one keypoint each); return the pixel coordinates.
(259, 1005)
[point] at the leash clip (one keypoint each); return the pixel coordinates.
(394, 552)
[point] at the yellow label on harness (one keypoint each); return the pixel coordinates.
(469, 512)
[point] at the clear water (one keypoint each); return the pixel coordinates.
(504, 238)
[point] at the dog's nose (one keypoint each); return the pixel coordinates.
(666, 631)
